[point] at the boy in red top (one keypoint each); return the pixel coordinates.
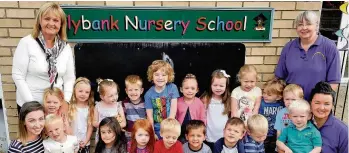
(170, 129)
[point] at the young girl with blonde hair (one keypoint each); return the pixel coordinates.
(81, 113)
(246, 98)
(53, 101)
(108, 106)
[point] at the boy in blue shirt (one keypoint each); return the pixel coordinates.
(233, 132)
(270, 105)
(301, 136)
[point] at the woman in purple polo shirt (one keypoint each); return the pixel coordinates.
(310, 58)
(334, 133)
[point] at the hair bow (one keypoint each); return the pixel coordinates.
(225, 73)
(101, 80)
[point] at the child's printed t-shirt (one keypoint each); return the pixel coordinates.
(71, 145)
(269, 111)
(160, 103)
(282, 120)
(301, 141)
(246, 101)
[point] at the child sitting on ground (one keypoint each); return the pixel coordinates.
(170, 129)
(58, 141)
(195, 134)
(257, 130)
(231, 142)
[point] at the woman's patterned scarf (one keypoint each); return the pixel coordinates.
(52, 55)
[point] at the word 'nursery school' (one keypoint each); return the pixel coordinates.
(136, 24)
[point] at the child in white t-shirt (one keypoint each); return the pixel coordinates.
(58, 141)
(246, 98)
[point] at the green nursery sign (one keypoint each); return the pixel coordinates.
(162, 24)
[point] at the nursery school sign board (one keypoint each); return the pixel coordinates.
(162, 24)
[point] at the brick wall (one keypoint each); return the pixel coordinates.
(17, 20)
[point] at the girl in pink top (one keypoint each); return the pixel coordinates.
(189, 107)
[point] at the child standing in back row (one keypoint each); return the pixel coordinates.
(217, 103)
(189, 107)
(270, 106)
(246, 98)
(81, 111)
(108, 106)
(161, 98)
(133, 105)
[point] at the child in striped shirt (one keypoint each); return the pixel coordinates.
(133, 105)
(257, 130)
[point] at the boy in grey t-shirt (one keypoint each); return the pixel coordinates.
(196, 134)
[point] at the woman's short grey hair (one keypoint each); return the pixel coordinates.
(308, 16)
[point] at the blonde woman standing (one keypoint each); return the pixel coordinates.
(44, 59)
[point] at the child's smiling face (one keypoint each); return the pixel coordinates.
(107, 135)
(111, 95)
(189, 88)
(160, 78)
(82, 92)
(52, 104)
(134, 92)
(195, 138)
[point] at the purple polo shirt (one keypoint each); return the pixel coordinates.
(319, 63)
(334, 134)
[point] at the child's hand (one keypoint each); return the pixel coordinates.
(156, 137)
(64, 108)
(288, 150)
(82, 144)
(119, 118)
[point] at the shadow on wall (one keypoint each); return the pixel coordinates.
(117, 60)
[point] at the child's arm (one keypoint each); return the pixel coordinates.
(234, 108)
(68, 128)
(317, 141)
(95, 118)
(202, 113)
(75, 144)
(277, 124)
(88, 134)
(257, 104)
(278, 132)
(316, 150)
(150, 116)
(122, 117)
(173, 109)
(280, 141)
(282, 146)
